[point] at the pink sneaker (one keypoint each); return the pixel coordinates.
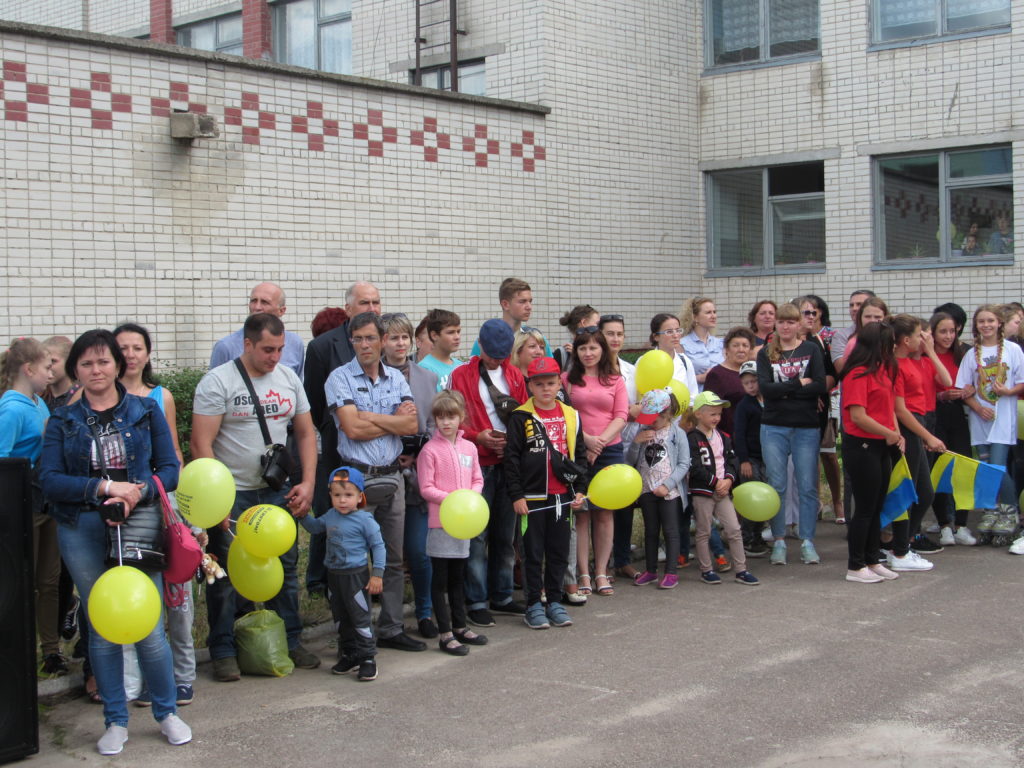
(669, 581)
(642, 579)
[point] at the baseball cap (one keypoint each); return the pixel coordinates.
(496, 338)
(748, 367)
(651, 405)
(542, 366)
(707, 397)
(351, 475)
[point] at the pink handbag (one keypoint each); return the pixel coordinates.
(183, 553)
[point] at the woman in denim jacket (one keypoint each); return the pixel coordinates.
(135, 446)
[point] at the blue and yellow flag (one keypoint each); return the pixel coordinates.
(974, 484)
(901, 493)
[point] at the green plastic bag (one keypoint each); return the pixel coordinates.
(262, 645)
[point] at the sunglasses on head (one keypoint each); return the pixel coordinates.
(612, 319)
(588, 329)
(387, 317)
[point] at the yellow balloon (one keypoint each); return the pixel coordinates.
(265, 530)
(206, 492)
(255, 578)
(1020, 419)
(124, 605)
(464, 514)
(682, 393)
(615, 487)
(653, 371)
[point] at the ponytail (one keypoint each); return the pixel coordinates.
(23, 350)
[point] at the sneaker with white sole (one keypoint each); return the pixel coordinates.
(176, 730)
(910, 562)
(808, 553)
(112, 742)
(880, 570)
(946, 537)
(863, 576)
(1017, 548)
(766, 536)
(778, 556)
(963, 537)
(536, 617)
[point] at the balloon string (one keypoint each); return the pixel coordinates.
(120, 549)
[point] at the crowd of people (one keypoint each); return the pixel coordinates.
(364, 432)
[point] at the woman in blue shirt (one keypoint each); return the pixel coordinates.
(698, 318)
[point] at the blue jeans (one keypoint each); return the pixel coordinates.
(224, 604)
(416, 557)
(491, 556)
(802, 443)
(998, 453)
(83, 548)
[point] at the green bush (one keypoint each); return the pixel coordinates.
(182, 386)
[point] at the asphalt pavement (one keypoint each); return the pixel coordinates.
(804, 670)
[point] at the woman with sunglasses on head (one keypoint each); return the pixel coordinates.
(665, 335)
(599, 394)
(698, 318)
(580, 316)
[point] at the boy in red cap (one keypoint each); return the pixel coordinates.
(545, 470)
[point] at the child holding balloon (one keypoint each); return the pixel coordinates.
(545, 472)
(448, 463)
(351, 532)
(712, 476)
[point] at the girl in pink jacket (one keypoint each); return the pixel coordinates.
(448, 463)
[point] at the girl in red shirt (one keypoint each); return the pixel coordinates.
(870, 442)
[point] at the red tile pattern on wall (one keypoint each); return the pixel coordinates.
(103, 99)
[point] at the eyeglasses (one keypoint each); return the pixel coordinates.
(387, 317)
(588, 329)
(810, 313)
(612, 319)
(670, 332)
(357, 340)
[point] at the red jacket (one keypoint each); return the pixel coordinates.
(466, 380)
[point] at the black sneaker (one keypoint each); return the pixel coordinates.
(69, 624)
(399, 642)
(303, 659)
(55, 664)
(922, 543)
(428, 628)
(710, 577)
(755, 548)
(511, 608)
(480, 617)
(345, 665)
(368, 670)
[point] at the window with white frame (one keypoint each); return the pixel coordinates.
(472, 78)
(223, 34)
(767, 218)
(913, 19)
(942, 207)
(752, 31)
(315, 33)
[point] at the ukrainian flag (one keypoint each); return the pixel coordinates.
(901, 493)
(974, 484)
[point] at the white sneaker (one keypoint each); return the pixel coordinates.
(910, 562)
(176, 730)
(766, 535)
(1017, 548)
(864, 576)
(880, 570)
(946, 537)
(112, 742)
(963, 537)
(661, 554)
(933, 528)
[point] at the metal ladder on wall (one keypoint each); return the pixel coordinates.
(449, 25)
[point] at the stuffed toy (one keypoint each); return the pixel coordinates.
(211, 568)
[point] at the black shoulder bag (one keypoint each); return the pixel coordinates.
(503, 404)
(565, 469)
(139, 539)
(275, 461)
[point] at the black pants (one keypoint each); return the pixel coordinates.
(952, 429)
(350, 604)
(661, 516)
(904, 530)
(546, 548)
(869, 464)
(448, 588)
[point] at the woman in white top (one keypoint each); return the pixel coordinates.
(665, 333)
(698, 318)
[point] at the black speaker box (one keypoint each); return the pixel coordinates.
(19, 712)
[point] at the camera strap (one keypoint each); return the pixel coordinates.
(257, 406)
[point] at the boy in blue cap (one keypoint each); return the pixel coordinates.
(351, 532)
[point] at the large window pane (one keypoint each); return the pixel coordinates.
(737, 219)
(336, 47)
(899, 19)
(798, 231)
(793, 27)
(963, 15)
(910, 205)
(736, 31)
(300, 33)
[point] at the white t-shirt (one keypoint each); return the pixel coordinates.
(1009, 372)
(628, 373)
(239, 442)
(497, 378)
(684, 372)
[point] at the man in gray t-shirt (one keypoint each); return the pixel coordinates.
(225, 427)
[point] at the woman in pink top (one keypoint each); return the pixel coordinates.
(599, 394)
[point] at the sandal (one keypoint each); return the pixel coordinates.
(469, 637)
(607, 590)
(452, 646)
(92, 691)
(585, 588)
